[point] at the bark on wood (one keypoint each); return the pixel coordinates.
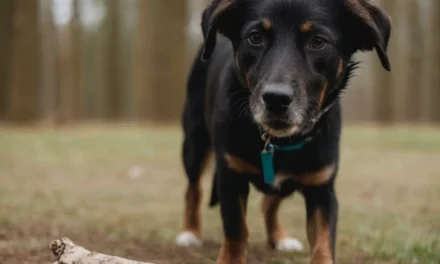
(66, 252)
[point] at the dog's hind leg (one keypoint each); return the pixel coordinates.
(195, 153)
(277, 236)
(195, 158)
(196, 148)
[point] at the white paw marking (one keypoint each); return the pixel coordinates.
(188, 239)
(289, 245)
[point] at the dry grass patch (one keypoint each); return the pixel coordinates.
(118, 190)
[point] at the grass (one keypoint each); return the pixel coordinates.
(119, 189)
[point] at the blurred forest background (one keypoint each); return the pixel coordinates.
(127, 60)
(106, 66)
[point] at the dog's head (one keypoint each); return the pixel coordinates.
(293, 54)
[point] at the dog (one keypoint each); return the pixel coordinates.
(263, 95)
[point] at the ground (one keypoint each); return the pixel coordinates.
(119, 190)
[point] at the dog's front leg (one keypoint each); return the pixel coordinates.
(322, 216)
(233, 192)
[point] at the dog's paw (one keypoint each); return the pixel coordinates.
(289, 244)
(188, 239)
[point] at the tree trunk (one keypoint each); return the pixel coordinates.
(412, 104)
(25, 62)
(5, 51)
(76, 37)
(143, 94)
(160, 54)
(383, 90)
(69, 67)
(435, 61)
(169, 60)
(426, 72)
(48, 94)
(113, 86)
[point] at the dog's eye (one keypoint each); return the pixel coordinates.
(317, 43)
(255, 38)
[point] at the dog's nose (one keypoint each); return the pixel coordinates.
(277, 98)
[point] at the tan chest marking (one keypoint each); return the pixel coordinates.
(240, 166)
(316, 178)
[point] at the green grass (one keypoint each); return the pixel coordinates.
(76, 182)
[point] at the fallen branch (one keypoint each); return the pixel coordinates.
(67, 252)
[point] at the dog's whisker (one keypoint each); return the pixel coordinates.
(244, 110)
(230, 97)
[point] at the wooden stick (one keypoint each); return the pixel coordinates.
(67, 252)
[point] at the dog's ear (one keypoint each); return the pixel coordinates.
(220, 16)
(369, 27)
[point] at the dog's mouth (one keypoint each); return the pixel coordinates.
(287, 131)
(295, 120)
(277, 124)
(285, 127)
(280, 126)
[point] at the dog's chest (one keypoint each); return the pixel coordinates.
(293, 166)
(289, 166)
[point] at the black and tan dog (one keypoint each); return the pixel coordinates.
(264, 96)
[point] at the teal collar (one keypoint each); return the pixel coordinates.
(267, 155)
(292, 147)
(297, 146)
